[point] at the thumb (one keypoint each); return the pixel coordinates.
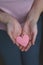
(35, 31)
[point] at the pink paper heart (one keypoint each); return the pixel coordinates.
(23, 40)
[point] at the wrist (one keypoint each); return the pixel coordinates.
(34, 13)
(5, 17)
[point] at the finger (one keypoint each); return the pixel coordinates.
(28, 47)
(26, 30)
(11, 36)
(34, 38)
(34, 35)
(10, 32)
(14, 39)
(23, 49)
(20, 47)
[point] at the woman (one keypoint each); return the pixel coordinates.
(31, 23)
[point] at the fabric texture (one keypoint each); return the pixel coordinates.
(13, 56)
(17, 8)
(3, 26)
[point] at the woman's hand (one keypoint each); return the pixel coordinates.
(14, 29)
(30, 26)
(31, 30)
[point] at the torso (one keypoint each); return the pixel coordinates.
(17, 8)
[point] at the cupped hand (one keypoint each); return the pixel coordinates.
(31, 31)
(30, 26)
(14, 29)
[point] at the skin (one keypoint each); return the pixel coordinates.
(14, 29)
(31, 22)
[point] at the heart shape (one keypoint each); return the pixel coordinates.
(24, 40)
